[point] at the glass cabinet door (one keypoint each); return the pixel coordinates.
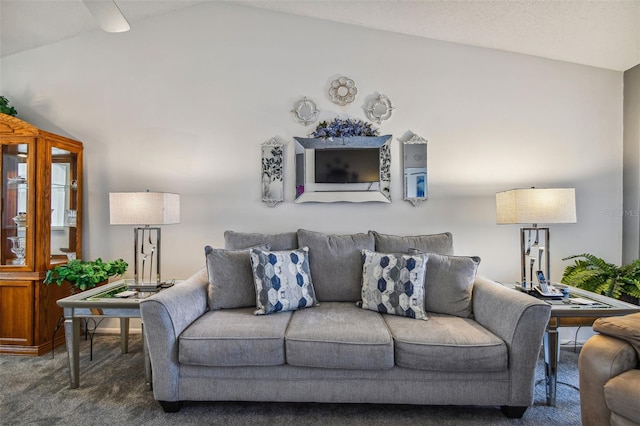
(64, 205)
(17, 205)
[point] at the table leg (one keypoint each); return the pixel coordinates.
(72, 333)
(147, 362)
(551, 356)
(124, 335)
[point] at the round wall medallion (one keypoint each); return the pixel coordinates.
(343, 91)
(379, 109)
(305, 111)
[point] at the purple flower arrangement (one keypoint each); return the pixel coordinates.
(343, 128)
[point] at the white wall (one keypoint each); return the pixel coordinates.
(182, 102)
(631, 171)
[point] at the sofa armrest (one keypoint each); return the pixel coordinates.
(518, 319)
(601, 358)
(165, 315)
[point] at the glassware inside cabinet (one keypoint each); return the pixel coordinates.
(15, 202)
(18, 246)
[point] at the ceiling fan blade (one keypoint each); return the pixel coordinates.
(108, 15)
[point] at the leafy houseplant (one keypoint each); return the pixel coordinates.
(5, 108)
(596, 275)
(85, 274)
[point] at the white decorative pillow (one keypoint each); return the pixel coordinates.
(393, 283)
(282, 280)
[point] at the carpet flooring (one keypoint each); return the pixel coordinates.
(35, 391)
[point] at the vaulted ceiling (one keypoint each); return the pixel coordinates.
(603, 33)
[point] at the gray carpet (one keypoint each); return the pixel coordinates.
(35, 391)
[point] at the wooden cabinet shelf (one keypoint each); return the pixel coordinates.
(40, 226)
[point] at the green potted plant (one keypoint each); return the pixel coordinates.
(5, 108)
(82, 274)
(594, 274)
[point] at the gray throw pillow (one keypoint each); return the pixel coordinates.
(393, 283)
(230, 278)
(336, 263)
(282, 280)
(433, 243)
(448, 284)
(243, 240)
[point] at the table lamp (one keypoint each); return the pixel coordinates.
(535, 206)
(143, 209)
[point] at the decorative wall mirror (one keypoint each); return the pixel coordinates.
(414, 167)
(272, 172)
(379, 109)
(305, 111)
(354, 169)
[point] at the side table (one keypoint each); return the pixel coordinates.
(101, 302)
(571, 314)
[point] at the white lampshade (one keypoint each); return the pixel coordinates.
(551, 205)
(144, 208)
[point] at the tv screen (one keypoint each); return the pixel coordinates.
(347, 165)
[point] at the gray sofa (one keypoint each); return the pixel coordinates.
(478, 344)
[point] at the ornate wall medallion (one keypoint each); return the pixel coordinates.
(305, 111)
(343, 91)
(379, 109)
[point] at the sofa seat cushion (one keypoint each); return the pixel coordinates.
(622, 394)
(234, 337)
(446, 343)
(338, 335)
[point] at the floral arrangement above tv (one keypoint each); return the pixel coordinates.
(344, 128)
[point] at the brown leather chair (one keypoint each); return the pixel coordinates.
(609, 366)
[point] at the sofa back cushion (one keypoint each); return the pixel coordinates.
(433, 243)
(336, 264)
(338, 335)
(230, 278)
(243, 240)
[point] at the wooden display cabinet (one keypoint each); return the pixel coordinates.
(40, 226)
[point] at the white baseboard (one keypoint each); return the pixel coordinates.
(112, 326)
(110, 330)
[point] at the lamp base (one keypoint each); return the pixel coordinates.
(132, 285)
(534, 255)
(146, 256)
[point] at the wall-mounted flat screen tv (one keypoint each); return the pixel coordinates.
(347, 165)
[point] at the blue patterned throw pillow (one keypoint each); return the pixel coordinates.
(282, 280)
(394, 283)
